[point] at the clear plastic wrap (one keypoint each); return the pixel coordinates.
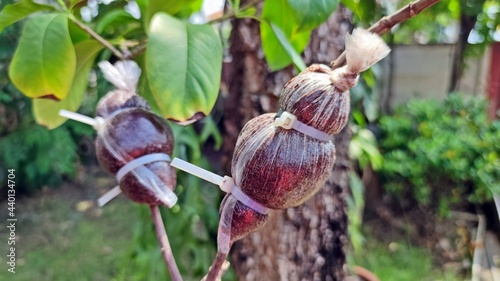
(130, 131)
(236, 220)
(279, 168)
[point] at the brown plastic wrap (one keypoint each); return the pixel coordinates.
(279, 168)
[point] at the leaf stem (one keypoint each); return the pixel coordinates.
(386, 23)
(166, 250)
(97, 37)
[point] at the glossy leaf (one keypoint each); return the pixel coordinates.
(276, 55)
(16, 12)
(171, 7)
(183, 67)
(44, 62)
(76, 33)
(363, 9)
(296, 58)
(310, 14)
(46, 111)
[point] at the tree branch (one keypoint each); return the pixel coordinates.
(166, 250)
(386, 23)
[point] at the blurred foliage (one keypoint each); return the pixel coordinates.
(436, 25)
(355, 208)
(487, 28)
(399, 261)
(441, 153)
(40, 157)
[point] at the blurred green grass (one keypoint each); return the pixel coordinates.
(56, 241)
(399, 261)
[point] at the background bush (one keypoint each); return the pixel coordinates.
(440, 153)
(41, 157)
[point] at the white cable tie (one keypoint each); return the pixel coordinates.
(197, 171)
(108, 196)
(246, 200)
(141, 161)
(225, 183)
(288, 121)
(97, 122)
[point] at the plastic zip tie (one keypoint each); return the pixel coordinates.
(288, 121)
(141, 161)
(108, 196)
(97, 122)
(249, 202)
(225, 183)
(197, 171)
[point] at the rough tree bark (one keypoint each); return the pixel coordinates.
(306, 242)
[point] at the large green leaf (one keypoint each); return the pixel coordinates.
(16, 12)
(279, 13)
(310, 14)
(183, 67)
(46, 111)
(296, 58)
(171, 7)
(44, 62)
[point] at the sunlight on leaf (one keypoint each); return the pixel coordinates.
(46, 111)
(44, 62)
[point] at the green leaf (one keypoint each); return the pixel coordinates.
(276, 55)
(46, 111)
(16, 12)
(115, 17)
(76, 33)
(44, 62)
(246, 13)
(364, 9)
(74, 3)
(310, 14)
(171, 7)
(183, 67)
(292, 53)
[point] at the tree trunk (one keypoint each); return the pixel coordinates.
(306, 242)
(468, 18)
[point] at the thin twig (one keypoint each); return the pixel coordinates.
(386, 23)
(166, 250)
(98, 37)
